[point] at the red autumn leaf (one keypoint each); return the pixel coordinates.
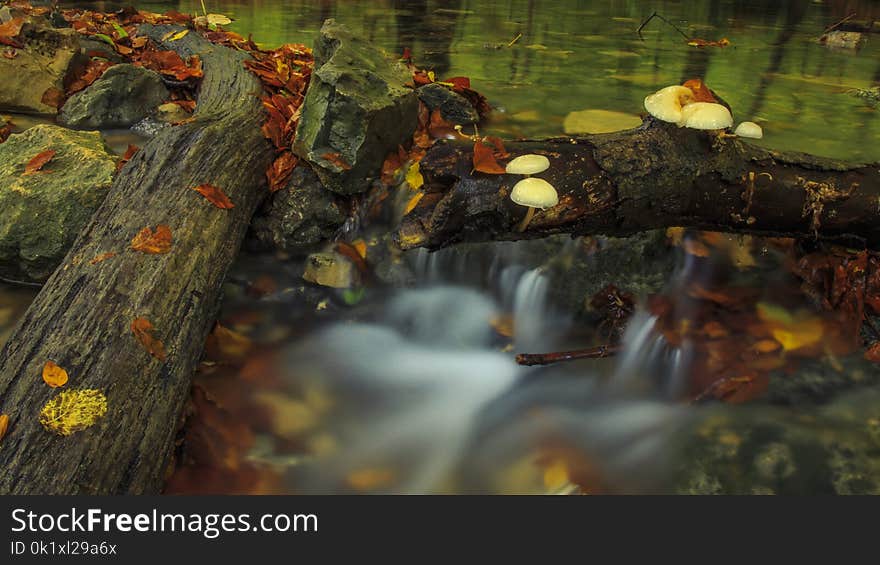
(337, 160)
(38, 161)
(459, 83)
(170, 64)
(484, 160)
(143, 331)
(53, 97)
(129, 153)
(215, 196)
(92, 72)
(153, 243)
(500, 151)
(188, 105)
(700, 90)
(280, 170)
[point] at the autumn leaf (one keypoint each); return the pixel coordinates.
(280, 170)
(129, 153)
(4, 424)
(702, 93)
(215, 196)
(12, 28)
(697, 42)
(143, 331)
(38, 162)
(53, 97)
(484, 160)
(102, 257)
(413, 202)
(414, 177)
(73, 411)
(154, 243)
(227, 345)
(337, 160)
(53, 375)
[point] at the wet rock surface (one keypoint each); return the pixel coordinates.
(41, 214)
(37, 73)
(302, 214)
(331, 269)
(453, 107)
(356, 111)
(124, 95)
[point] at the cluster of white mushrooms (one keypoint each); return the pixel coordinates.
(531, 191)
(677, 104)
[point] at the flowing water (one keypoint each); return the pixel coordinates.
(413, 387)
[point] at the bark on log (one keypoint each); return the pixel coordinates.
(655, 176)
(82, 317)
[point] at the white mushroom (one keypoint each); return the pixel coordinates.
(666, 104)
(534, 193)
(749, 129)
(528, 165)
(705, 115)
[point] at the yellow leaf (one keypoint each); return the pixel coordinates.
(414, 177)
(4, 424)
(556, 475)
(361, 247)
(431, 76)
(413, 202)
(54, 375)
(179, 35)
(792, 331)
(73, 411)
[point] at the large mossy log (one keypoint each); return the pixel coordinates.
(655, 176)
(81, 319)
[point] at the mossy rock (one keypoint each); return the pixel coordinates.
(41, 214)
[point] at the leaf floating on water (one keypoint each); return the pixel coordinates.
(215, 196)
(143, 331)
(38, 162)
(4, 424)
(102, 257)
(697, 42)
(154, 243)
(53, 375)
(73, 411)
(484, 160)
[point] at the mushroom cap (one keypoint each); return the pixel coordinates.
(705, 115)
(528, 165)
(535, 193)
(666, 103)
(749, 129)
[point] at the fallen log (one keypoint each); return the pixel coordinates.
(83, 316)
(655, 176)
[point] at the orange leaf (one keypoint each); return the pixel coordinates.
(102, 257)
(155, 243)
(215, 196)
(129, 153)
(280, 170)
(53, 97)
(54, 375)
(11, 28)
(484, 160)
(336, 159)
(143, 331)
(4, 424)
(37, 163)
(702, 93)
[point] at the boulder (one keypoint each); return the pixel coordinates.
(356, 111)
(302, 214)
(331, 269)
(34, 79)
(453, 107)
(41, 214)
(124, 95)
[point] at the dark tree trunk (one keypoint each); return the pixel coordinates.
(82, 317)
(655, 176)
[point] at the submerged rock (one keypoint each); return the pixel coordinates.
(41, 214)
(302, 214)
(453, 107)
(34, 79)
(356, 111)
(124, 95)
(331, 269)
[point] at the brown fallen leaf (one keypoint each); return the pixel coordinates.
(337, 160)
(4, 424)
(102, 257)
(215, 196)
(129, 153)
(143, 331)
(53, 375)
(484, 160)
(155, 243)
(53, 97)
(38, 162)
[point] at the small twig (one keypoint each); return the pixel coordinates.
(514, 40)
(656, 15)
(838, 24)
(529, 359)
(20, 283)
